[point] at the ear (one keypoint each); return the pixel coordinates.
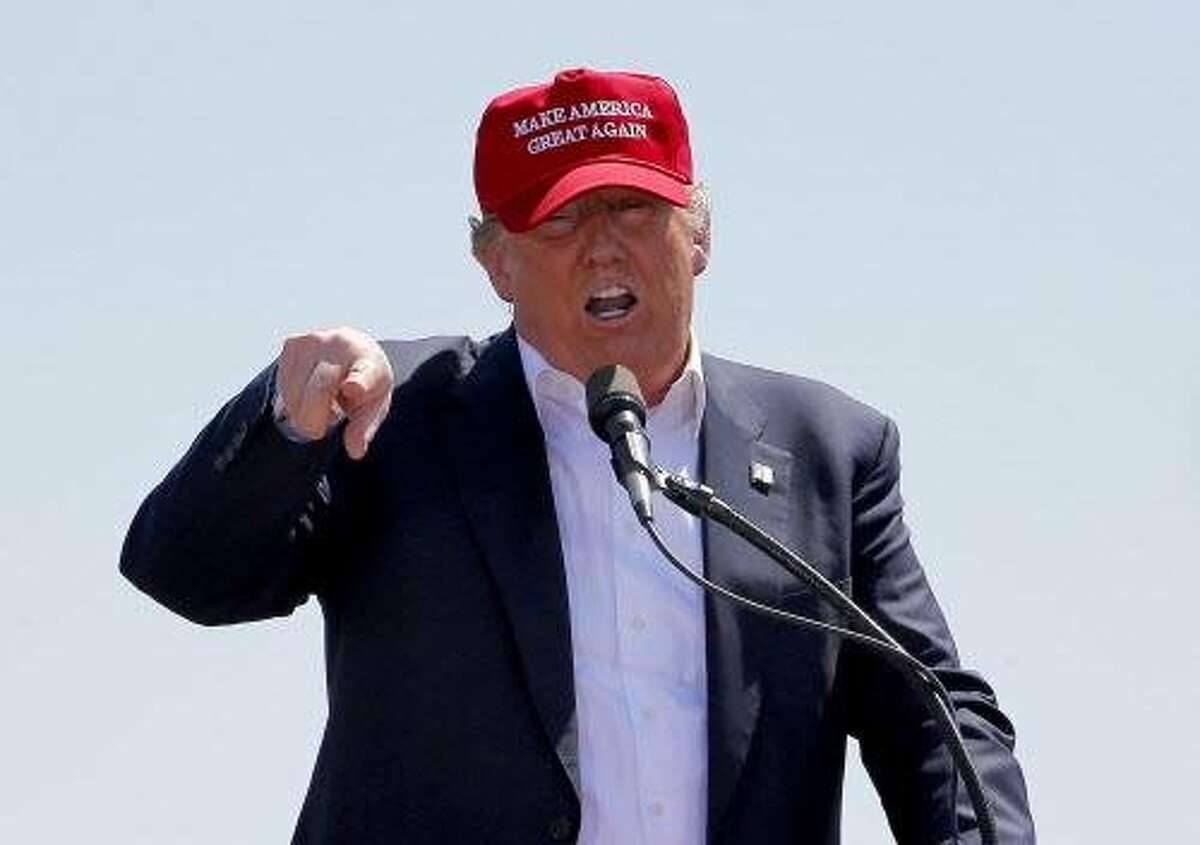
(494, 263)
(701, 246)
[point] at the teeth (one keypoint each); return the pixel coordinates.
(611, 303)
(611, 291)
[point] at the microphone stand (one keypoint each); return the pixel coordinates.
(703, 502)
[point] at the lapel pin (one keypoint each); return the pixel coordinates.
(762, 477)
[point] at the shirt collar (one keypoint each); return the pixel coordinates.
(561, 405)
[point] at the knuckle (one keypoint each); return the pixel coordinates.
(299, 345)
(341, 343)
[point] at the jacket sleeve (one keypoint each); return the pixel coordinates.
(231, 533)
(899, 742)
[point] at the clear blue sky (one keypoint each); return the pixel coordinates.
(981, 218)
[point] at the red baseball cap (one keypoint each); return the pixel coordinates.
(539, 147)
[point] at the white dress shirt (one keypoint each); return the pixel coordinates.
(637, 626)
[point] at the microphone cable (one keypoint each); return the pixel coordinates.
(617, 414)
(940, 706)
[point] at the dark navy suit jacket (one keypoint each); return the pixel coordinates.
(439, 569)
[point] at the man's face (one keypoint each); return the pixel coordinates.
(607, 279)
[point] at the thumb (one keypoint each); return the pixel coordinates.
(363, 379)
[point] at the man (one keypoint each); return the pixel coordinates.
(507, 659)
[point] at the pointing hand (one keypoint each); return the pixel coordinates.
(325, 376)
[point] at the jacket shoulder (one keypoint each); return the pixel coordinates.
(434, 364)
(804, 412)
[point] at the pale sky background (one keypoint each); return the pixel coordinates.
(980, 218)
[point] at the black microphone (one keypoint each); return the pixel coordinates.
(617, 413)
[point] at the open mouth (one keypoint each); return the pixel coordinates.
(612, 303)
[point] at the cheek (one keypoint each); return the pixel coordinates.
(542, 298)
(673, 275)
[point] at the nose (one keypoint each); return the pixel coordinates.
(601, 241)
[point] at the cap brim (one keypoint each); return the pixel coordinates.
(527, 210)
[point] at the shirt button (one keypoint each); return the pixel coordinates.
(648, 714)
(638, 622)
(561, 829)
(656, 809)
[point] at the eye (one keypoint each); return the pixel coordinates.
(633, 203)
(634, 209)
(561, 222)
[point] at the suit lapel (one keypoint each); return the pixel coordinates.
(731, 443)
(500, 462)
